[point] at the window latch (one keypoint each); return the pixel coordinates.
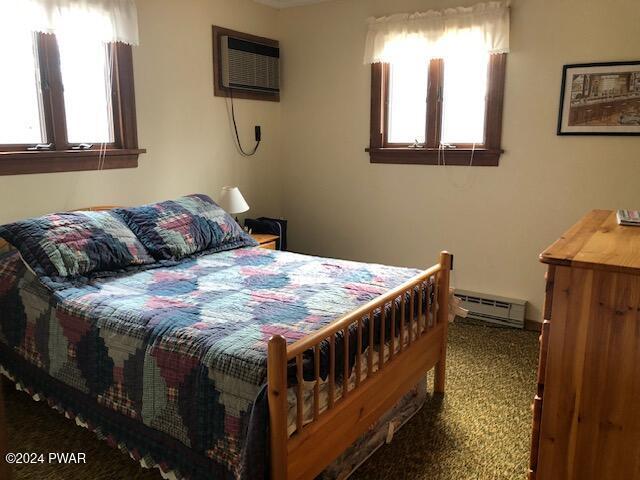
(40, 146)
(82, 146)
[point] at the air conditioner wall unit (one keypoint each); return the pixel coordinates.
(492, 308)
(248, 65)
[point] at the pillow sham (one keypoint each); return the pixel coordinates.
(193, 224)
(72, 244)
(5, 248)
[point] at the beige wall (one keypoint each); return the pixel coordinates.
(183, 126)
(312, 166)
(495, 220)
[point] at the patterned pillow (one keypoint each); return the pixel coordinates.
(178, 228)
(66, 245)
(5, 248)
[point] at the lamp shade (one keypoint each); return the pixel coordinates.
(232, 201)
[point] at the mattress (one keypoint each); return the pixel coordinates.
(170, 362)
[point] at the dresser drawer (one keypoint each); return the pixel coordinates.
(542, 359)
(535, 436)
(542, 370)
(548, 292)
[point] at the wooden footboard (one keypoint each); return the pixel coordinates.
(419, 346)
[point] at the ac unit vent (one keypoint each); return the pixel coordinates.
(493, 309)
(249, 65)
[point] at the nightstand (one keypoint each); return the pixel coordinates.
(266, 240)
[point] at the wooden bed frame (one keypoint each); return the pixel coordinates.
(316, 444)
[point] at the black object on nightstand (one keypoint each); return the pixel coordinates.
(273, 226)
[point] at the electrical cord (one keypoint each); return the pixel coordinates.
(235, 128)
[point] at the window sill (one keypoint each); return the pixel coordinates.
(433, 156)
(20, 163)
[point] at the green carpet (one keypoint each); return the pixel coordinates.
(480, 430)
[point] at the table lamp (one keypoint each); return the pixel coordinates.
(232, 201)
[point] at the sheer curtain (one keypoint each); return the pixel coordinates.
(100, 20)
(438, 33)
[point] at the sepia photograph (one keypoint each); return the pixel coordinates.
(600, 99)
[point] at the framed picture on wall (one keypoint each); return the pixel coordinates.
(600, 99)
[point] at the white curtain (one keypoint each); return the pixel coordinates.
(104, 20)
(438, 33)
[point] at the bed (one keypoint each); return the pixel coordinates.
(241, 363)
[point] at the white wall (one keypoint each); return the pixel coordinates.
(495, 220)
(183, 126)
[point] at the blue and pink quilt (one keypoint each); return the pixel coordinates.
(169, 363)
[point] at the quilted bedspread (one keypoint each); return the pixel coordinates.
(170, 362)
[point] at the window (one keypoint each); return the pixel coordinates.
(437, 82)
(443, 111)
(407, 102)
(21, 121)
(67, 104)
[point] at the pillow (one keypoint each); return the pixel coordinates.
(178, 228)
(5, 248)
(67, 245)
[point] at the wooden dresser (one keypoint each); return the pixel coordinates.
(587, 409)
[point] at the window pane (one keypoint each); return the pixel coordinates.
(464, 102)
(408, 102)
(21, 119)
(87, 89)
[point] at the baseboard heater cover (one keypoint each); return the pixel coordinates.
(492, 308)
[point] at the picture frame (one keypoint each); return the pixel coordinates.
(600, 99)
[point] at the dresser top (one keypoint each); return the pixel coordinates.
(597, 241)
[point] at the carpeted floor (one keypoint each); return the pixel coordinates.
(480, 430)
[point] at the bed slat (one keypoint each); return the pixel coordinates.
(316, 387)
(411, 310)
(370, 350)
(419, 310)
(359, 355)
(299, 394)
(393, 329)
(383, 315)
(402, 318)
(345, 362)
(332, 370)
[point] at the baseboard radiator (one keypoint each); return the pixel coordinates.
(493, 309)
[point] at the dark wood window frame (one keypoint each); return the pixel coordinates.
(487, 154)
(60, 157)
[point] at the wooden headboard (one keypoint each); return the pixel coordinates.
(97, 208)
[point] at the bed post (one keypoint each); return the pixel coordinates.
(278, 406)
(443, 318)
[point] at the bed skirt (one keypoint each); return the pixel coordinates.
(380, 433)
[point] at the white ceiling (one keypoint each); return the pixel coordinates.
(288, 3)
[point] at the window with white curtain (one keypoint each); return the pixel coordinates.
(67, 87)
(438, 81)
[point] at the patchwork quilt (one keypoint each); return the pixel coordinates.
(170, 362)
